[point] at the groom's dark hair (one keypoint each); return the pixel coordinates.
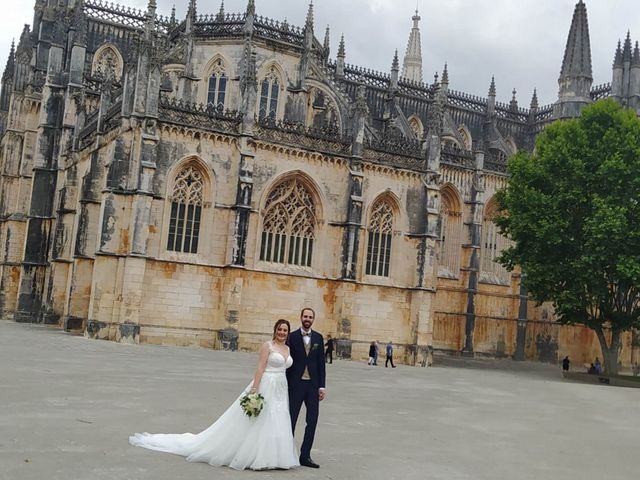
(310, 309)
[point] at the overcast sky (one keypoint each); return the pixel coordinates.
(521, 42)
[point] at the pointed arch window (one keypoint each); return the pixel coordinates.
(217, 90)
(492, 245)
(269, 90)
(379, 240)
(186, 210)
(288, 231)
(450, 231)
(107, 63)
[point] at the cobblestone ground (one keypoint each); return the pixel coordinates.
(68, 405)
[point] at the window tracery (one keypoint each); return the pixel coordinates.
(450, 231)
(107, 63)
(492, 244)
(217, 89)
(379, 239)
(186, 211)
(269, 91)
(288, 230)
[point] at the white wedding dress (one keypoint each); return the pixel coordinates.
(236, 440)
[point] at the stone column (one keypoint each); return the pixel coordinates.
(243, 204)
(475, 227)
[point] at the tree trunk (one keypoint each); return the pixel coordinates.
(609, 352)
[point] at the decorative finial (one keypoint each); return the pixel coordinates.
(395, 64)
(173, 14)
(492, 87)
(435, 78)
(221, 12)
(341, 52)
(327, 36)
(445, 75)
(534, 100)
(309, 22)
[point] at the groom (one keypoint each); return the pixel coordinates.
(306, 379)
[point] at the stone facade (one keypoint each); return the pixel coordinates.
(189, 181)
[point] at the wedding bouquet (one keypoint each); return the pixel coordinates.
(252, 404)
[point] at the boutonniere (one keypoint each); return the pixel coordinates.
(314, 346)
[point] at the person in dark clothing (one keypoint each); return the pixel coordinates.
(592, 369)
(372, 353)
(328, 354)
(389, 355)
(566, 363)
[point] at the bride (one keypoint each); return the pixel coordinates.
(239, 441)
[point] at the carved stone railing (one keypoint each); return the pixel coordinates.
(396, 145)
(496, 162)
(280, 31)
(600, 91)
(504, 110)
(466, 101)
(229, 25)
(328, 139)
(198, 116)
(544, 113)
(115, 13)
(457, 157)
(389, 159)
(367, 77)
(495, 167)
(416, 89)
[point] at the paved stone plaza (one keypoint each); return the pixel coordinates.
(69, 404)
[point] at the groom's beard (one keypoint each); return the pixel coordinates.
(307, 325)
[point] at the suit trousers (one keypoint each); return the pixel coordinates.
(305, 392)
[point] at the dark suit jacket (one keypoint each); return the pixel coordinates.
(314, 361)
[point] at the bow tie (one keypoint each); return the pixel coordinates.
(306, 334)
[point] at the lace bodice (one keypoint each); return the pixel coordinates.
(276, 362)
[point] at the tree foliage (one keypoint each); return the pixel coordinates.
(572, 209)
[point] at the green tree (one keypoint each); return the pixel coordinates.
(572, 209)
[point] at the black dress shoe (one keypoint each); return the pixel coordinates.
(309, 463)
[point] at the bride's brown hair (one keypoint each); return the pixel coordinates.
(278, 323)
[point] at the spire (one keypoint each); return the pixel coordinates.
(173, 15)
(576, 75)
(412, 65)
(577, 54)
(251, 7)
(626, 51)
(221, 12)
(635, 61)
(513, 104)
(617, 58)
(327, 42)
(341, 53)
(191, 16)
(395, 64)
(309, 22)
(340, 59)
(534, 100)
(445, 75)
(8, 70)
(395, 69)
(492, 87)
(491, 100)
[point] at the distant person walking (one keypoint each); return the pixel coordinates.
(372, 353)
(565, 364)
(376, 351)
(389, 355)
(328, 354)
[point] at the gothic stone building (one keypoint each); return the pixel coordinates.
(189, 181)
